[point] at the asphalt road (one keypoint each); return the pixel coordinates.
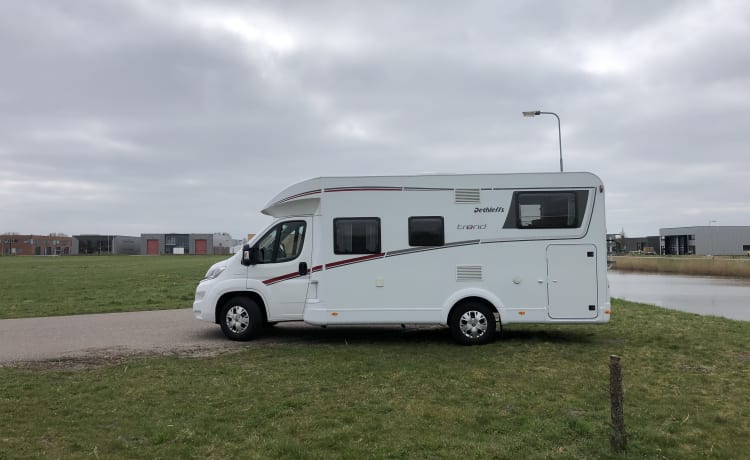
(109, 336)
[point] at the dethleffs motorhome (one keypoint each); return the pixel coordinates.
(463, 250)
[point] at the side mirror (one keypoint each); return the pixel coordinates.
(249, 255)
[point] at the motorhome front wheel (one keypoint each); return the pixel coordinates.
(240, 318)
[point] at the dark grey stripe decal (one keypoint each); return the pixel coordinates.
(400, 252)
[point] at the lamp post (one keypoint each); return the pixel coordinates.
(711, 235)
(534, 113)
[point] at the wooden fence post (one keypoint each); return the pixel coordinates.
(619, 437)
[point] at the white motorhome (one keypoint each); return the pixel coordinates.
(466, 251)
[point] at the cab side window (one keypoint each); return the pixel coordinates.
(282, 243)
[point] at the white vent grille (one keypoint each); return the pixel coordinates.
(468, 273)
(467, 195)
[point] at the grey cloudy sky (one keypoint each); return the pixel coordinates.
(132, 117)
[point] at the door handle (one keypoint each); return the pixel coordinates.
(302, 268)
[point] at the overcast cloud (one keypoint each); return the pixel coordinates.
(129, 117)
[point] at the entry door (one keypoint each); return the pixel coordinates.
(571, 281)
(281, 251)
(201, 247)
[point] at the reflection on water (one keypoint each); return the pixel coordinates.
(727, 297)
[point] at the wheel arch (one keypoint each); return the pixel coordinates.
(471, 295)
(254, 296)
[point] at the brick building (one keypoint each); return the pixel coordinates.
(12, 244)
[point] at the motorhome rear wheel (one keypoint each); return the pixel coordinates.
(473, 323)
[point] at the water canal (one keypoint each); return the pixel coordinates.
(727, 297)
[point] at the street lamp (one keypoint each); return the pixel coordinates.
(711, 235)
(534, 113)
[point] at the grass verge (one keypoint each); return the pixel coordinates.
(539, 392)
(684, 265)
(50, 286)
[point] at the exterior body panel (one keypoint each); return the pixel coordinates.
(531, 246)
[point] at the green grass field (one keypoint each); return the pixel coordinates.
(49, 286)
(539, 392)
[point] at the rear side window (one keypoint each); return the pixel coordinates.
(426, 231)
(547, 210)
(356, 235)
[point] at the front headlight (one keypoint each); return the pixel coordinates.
(214, 272)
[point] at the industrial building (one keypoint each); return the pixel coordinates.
(707, 239)
(106, 244)
(54, 244)
(223, 243)
(154, 244)
(616, 244)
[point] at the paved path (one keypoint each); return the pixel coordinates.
(144, 332)
(116, 335)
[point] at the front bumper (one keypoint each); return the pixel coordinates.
(203, 309)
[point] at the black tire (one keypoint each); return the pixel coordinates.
(473, 323)
(240, 319)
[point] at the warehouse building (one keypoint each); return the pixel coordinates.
(616, 244)
(106, 244)
(704, 240)
(223, 243)
(154, 244)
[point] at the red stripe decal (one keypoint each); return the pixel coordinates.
(299, 195)
(340, 189)
(277, 279)
(290, 276)
(354, 260)
(365, 258)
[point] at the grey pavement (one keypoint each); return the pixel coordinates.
(145, 332)
(111, 335)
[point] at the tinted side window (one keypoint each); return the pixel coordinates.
(282, 243)
(356, 235)
(426, 231)
(291, 239)
(266, 246)
(547, 210)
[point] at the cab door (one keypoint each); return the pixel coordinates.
(283, 262)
